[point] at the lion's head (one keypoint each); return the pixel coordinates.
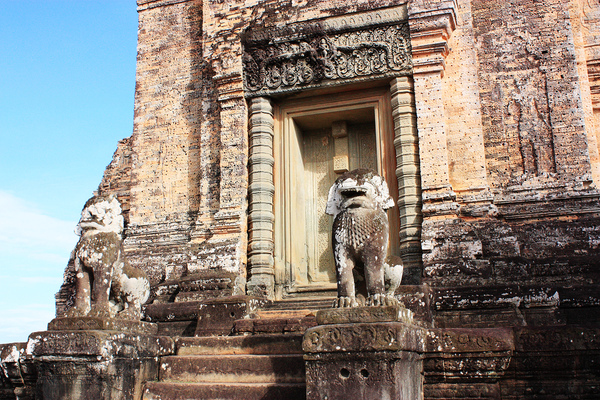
(359, 188)
(102, 214)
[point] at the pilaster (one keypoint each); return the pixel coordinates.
(431, 25)
(231, 216)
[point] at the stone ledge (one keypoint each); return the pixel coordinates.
(169, 312)
(364, 315)
(465, 340)
(98, 343)
(102, 324)
(217, 316)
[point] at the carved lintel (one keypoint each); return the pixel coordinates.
(304, 55)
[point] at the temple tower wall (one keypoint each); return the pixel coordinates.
(504, 99)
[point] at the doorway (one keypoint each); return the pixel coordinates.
(316, 140)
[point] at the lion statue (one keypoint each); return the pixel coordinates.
(358, 200)
(105, 284)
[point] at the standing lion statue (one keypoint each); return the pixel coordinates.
(358, 200)
(105, 284)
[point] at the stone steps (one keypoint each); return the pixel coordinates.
(300, 303)
(251, 344)
(220, 391)
(276, 321)
(265, 367)
(271, 368)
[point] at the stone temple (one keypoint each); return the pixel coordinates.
(483, 119)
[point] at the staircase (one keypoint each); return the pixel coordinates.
(265, 367)
(263, 360)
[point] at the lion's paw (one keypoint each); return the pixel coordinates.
(75, 312)
(98, 311)
(130, 314)
(381, 300)
(344, 302)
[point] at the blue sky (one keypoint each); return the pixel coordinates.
(67, 80)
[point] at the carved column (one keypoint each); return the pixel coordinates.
(406, 142)
(261, 190)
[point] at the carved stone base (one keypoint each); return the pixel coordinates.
(364, 315)
(90, 364)
(102, 324)
(364, 360)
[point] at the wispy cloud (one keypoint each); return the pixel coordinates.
(22, 223)
(34, 250)
(21, 320)
(30, 240)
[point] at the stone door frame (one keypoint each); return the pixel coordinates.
(414, 42)
(375, 99)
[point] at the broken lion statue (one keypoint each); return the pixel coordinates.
(358, 200)
(106, 286)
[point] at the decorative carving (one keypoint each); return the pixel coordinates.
(105, 284)
(378, 336)
(470, 340)
(303, 55)
(357, 200)
(475, 366)
(559, 339)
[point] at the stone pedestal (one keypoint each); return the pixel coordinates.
(94, 364)
(364, 353)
